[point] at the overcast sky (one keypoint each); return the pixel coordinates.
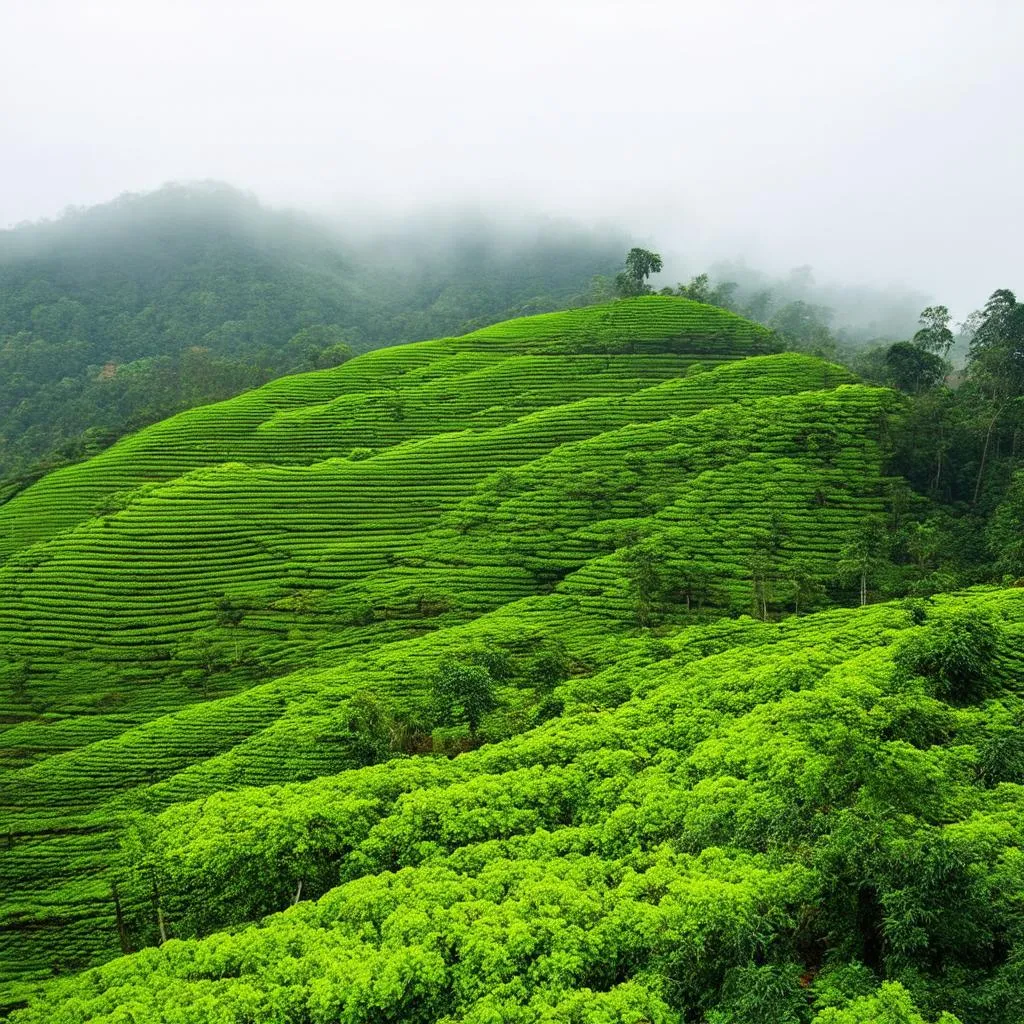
(876, 140)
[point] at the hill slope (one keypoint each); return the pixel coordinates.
(261, 591)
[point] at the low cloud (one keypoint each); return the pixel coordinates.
(871, 141)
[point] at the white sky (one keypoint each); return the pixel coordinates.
(877, 141)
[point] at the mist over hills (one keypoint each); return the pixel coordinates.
(114, 316)
(552, 553)
(609, 664)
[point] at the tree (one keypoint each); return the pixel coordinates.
(551, 665)
(645, 561)
(924, 541)
(369, 729)
(864, 556)
(805, 326)
(227, 612)
(699, 289)
(1005, 534)
(693, 582)
(14, 675)
(759, 306)
(913, 369)
(760, 566)
(320, 346)
(723, 294)
(934, 336)
(957, 655)
(766, 547)
(889, 1004)
(996, 362)
(462, 693)
(205, 659)
(807, 587)
(640, 264)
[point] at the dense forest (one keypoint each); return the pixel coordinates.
(115, 316)
(649, 661)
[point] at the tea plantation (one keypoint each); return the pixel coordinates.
(224, 753)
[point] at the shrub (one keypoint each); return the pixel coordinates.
(956, 656)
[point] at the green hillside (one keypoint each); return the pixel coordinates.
(220, 640)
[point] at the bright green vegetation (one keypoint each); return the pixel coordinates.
(959, 441)
(483, 653)
(117, 316)
(813, 820)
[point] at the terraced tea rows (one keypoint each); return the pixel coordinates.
(193, 610)
(533, 362)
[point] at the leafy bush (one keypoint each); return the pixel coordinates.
(957, 656)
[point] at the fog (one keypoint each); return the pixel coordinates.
(877, 142)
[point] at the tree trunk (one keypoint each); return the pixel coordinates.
(863, 589)
(298, 893)
(938, 466)
(157, 908)
(119, 918)
(984, 453)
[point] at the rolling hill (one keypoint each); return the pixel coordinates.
(220, 636)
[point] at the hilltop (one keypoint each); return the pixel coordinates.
(221, 635)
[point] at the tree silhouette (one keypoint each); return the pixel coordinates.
(640, 264)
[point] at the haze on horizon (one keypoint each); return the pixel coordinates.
(875, 142)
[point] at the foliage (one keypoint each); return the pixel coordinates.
(640, 264)
(787, 829)
(231, 638)
(935, 335)
(462, 693)
(956, 656)
(1006, 530)
(913, 369)
(865, 556)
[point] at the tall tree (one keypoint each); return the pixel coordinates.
(640, 264)
(996, 363)
(912, 368)
(866, 553)
(935, 335)
(805, 326)
(1005, 533)
(463, 693)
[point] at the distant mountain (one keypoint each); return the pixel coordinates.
(115, 316)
